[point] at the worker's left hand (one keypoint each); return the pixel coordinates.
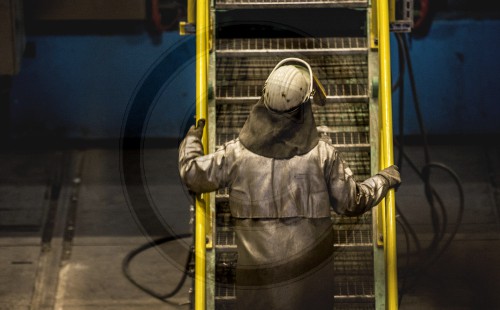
(391, 174)
(198, 130)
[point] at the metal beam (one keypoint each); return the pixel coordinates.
(62, 10)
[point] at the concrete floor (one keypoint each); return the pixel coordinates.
(66, 223)
(467, 276)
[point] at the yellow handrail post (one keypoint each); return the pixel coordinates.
(191, 11)
(199, 285)
(387, 146)
(201, 112)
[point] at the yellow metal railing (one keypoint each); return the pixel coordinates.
(386, 147)
(191, 11)
(202, 201)
(386, 152)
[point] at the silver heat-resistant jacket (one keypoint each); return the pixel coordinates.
(260, 187)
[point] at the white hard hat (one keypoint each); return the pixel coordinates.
(288, 86)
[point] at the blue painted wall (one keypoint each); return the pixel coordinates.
(79, 86)
(457, 71)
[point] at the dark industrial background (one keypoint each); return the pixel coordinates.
(74, 75)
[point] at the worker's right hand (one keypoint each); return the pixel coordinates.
(198, 130)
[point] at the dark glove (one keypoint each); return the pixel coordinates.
(198, 130)
(391, 174)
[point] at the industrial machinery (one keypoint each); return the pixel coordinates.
(346, 42)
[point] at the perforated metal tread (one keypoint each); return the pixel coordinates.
(354, 262)
(278, 46)
(346, 234)
(341, 64)
(355, 305)
(240, 79)
(333, 116)
(349, 288)
(225, 289)
(245, 4)
(344, 124)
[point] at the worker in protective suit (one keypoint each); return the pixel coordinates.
(283, 179)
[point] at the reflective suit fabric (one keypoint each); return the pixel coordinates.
(282, 210)
(284, 263)
(260, 187)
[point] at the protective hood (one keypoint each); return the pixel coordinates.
(280, 135)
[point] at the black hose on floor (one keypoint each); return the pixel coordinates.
(165, 296)
(438, 211)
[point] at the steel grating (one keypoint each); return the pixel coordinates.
(225, 238)
(241, 79)
(353, 236)
(345, 124)
(359, 162)
(355, 262)
(341, 64)
(316, 46)
(249, 68)
(350, 139)
(225, 289)
(345, 115)
(354, 287)
(342, 114)
(245, 4)
(355, 305)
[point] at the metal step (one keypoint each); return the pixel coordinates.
(358, 161)
(341, 64)
(342, 114)
(345, 124)
(225, 239)
(354, 288)
(246, 4)
(355, 305)
(349, 236)
(354, 236)
(279, 46)
(353, 262)
(225, 289)
(241, 79)
(352, 232)
(331, 116)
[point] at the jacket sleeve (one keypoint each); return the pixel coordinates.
(352, 198)
(201, 173)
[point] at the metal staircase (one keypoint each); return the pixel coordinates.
(245, 50)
